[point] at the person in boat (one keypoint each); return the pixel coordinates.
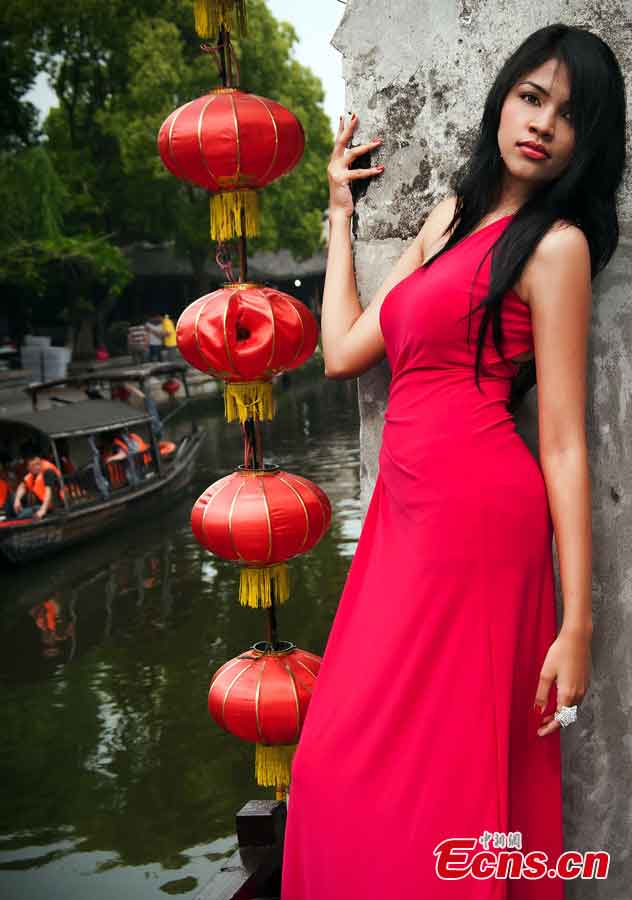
(42, 485)
(125, 443)
(6, 494)
(67, 465)
(132, 452)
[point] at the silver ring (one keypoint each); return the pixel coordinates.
(566, 715)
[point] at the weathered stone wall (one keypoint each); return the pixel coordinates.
(417, 73)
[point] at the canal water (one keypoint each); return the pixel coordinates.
(115, 780)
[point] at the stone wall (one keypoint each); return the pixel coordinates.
(417, 73)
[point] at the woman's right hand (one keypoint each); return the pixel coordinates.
(338, 171)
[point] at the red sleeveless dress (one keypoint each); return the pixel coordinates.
(420, 727)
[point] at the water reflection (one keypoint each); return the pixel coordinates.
(115, 777)
(53, 625)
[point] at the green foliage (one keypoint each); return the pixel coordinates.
(18, 68)
(119, 69)
(32, 196)
(40, 265)
(77, 276)
(293, 205)
(69, 265)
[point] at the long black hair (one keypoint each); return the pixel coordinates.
(583, 194)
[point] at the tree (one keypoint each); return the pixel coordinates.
(32, 197)
(18, 68)
(76, 278)
(118, 70)
(81, 277)
(43, 269)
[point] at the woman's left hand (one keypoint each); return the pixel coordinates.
(568, 663)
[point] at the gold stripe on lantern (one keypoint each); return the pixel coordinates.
(226, 210)
(210, 15)
(248, 399)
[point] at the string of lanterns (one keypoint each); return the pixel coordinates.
(233, 143)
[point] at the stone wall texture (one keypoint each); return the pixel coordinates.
(417, 73)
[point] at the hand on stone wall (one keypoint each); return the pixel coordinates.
(339, 171)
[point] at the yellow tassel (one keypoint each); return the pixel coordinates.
(273, 764)
(226, 209)
(248, 399)
(211, 14)
(255, 585)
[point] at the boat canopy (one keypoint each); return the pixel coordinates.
(76, 419)
(115, 374)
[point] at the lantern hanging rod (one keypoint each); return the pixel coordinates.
(253, 447)
(224, 55)
(225, 50)
(225, 59)
(272, 625)
(224, 262)
(243, 250)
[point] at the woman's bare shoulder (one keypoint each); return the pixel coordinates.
(443, 211)
(563, 234)
(437, 221)
(562, 240)
(563, 244)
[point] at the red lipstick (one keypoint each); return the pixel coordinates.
(533, 150)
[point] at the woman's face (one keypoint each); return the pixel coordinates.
(537, 109)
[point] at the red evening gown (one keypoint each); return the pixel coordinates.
(420, 727)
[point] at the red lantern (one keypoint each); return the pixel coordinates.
(263, 695)
(171, 386)
(260, 518)
(245, 334)
(231, 142)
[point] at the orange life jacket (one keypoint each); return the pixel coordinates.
(4, 491)
(167, 448)
(36, 485)
(142, 447)
(116, 474)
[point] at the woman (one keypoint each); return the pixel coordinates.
(437, 710)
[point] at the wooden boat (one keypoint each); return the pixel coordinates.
(97, 496)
